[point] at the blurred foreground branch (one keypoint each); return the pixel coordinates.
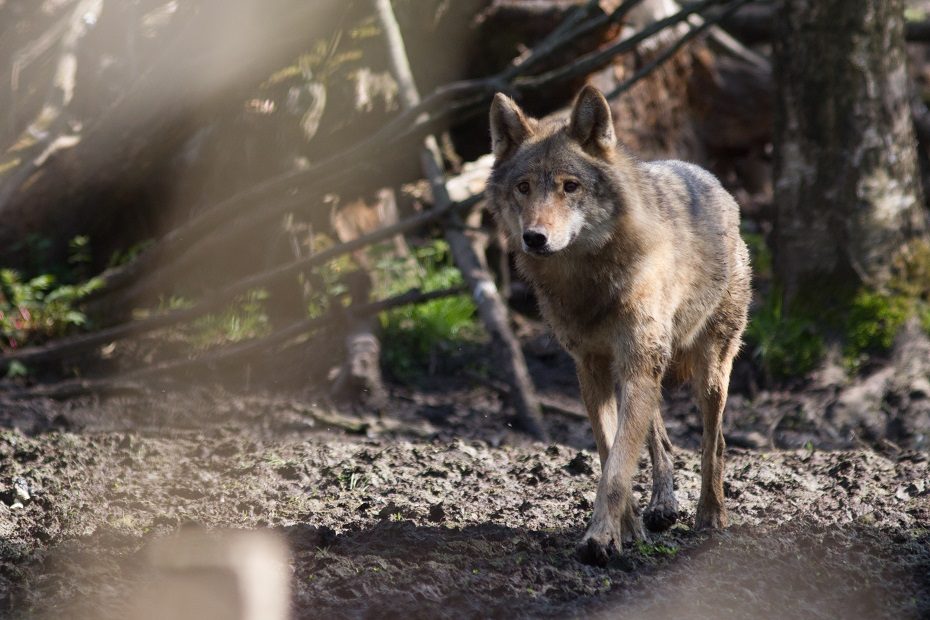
(215, 300)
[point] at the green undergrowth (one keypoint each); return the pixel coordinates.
(245, 318)
(865, 321)
(784, 345)
(416, 337)
(655, 549)
(873, 321)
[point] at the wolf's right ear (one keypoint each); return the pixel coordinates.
(509, 126)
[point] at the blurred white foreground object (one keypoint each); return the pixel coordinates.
(220, 575)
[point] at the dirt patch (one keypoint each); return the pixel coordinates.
(426, 519)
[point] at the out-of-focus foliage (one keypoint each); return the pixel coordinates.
(245, 318)
(34, 310)
(874, 320)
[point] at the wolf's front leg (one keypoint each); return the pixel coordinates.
(616, 518)
(599, 394)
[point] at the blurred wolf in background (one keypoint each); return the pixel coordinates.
(640, 270)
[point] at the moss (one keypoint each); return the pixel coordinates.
(873, 321)
(875, 317)
(865, 320)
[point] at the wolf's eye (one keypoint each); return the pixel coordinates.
(570, 186)
(523, 187)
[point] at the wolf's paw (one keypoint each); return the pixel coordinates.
(711, 518)
(600, 544)
(661, 514)
(595, 553)
(633, 527)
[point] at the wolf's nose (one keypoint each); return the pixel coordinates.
(534, 239)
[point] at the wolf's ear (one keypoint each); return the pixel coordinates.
(591, 123)
(509, 127)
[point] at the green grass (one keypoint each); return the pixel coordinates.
(413, 335)
(245, 318)
(656, 549)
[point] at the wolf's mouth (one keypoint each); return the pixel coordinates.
(539, 252)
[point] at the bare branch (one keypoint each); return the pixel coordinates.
(669, 52)
(467, 256)
(428, 115)
(130, 381)
(212, 301)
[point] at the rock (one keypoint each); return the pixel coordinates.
(742, 439)
(437, 513)
(580, 465)
(858, 407)
(920, 388)
(21, 489)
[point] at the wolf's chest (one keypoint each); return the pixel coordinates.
(581, 317)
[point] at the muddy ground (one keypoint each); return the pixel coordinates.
(441, 508)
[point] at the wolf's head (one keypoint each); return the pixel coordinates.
(555, 184)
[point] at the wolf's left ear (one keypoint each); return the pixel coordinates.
(509, 126)
(591, 124)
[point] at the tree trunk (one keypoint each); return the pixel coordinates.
(847, 190)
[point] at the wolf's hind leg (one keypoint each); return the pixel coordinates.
(711, 382)
(662, 511)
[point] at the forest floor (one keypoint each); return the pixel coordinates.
(439, 508)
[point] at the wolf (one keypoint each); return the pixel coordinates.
(640, 270)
